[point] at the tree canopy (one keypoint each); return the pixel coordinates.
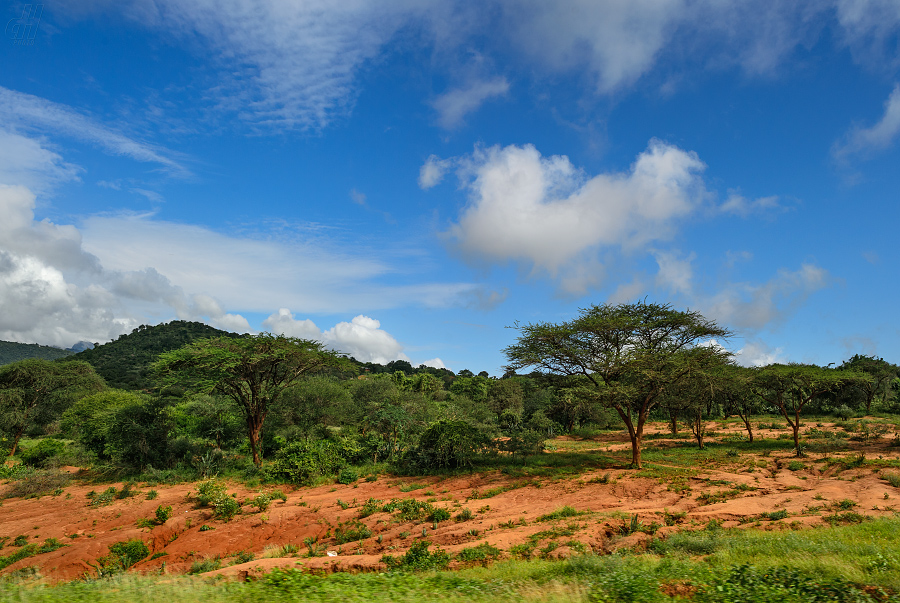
(252, 371)
(35, 392)
(629, 353)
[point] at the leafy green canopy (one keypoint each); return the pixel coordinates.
(34, 392)
(252, 371)
(629, 353)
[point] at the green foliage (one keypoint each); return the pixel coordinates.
(624, 355)
(13, 352)
(352, 531)
(448, 444)
(465, 514)
(125, 363)
(163, 514)
(34, 393)
(35, 483)
(91, 419)
(123, 555)
(42, 452)
(418, 558)
(299, 462)
(778, 584)
(561, 513)
(483, 553)
(212, 493)
(347, 476)
(205, 565)
(225, 508)
(439, 514)
(29, 550)
(253, 372)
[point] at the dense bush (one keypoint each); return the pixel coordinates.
(448, 445)
(298, 462)
(41, 453)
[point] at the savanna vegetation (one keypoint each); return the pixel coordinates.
(183, 403)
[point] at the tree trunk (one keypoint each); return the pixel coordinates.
(636, 451)
(253, 429)
(746, 420)
(673, 422)
(16, 442)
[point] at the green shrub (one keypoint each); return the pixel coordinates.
(226, 508)
(370, 507)
(775, 515)
(37, 483)
(243, 557)
(465, 514)
(351, 532)
(448, 445)
(261, 501)
(483, 553)
(439, 514)
(209, 491)
(122, 555)
(20, 540)
(561, 513)
(418, 558)
(163, 514)
(347, 476)
(44, 451)
(299, 462)
(205, 565)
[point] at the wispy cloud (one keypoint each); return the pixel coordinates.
(874, 138)
(25, 111)
(454, 105)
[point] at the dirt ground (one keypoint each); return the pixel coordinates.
(740, 487)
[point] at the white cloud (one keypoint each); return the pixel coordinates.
(20, 110)
(741, 206)
(547, 214)
(758, 353)
(754, 306)
(434, 363)
(675, 274)
(432, 171)
(304, 272)
(454, 105)
(284, 64)
(361, 338)
(876, 137)
(27, 162)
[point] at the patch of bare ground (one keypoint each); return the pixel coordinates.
(619, 507)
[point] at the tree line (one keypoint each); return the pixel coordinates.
(225, 400)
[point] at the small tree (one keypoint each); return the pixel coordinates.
(252, 371)
(34, 392)
(880, 373)
(629, 353)
(791, 387)
(736, 396)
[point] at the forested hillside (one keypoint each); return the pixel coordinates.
(124, 363)
(13, 352)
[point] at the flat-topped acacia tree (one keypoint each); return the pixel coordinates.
(628, 353)
(252, 371)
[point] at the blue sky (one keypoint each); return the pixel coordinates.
(407, 179)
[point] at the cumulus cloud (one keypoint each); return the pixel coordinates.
(362, 337)
(675, 273)
(757, 353)
(874, 138)
(29, 163)
(25, 111)
(549, 215)
(432, 171)
(454, 105)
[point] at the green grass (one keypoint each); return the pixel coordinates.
(811, 565)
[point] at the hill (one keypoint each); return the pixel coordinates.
(13, 352)
(125, 362)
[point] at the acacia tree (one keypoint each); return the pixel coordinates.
(35, 392)
(252, 371)
(880, 373)
(736, 396)
(629, 353)
(790, 387)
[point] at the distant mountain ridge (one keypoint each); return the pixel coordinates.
(10, 351)
(125, 362)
